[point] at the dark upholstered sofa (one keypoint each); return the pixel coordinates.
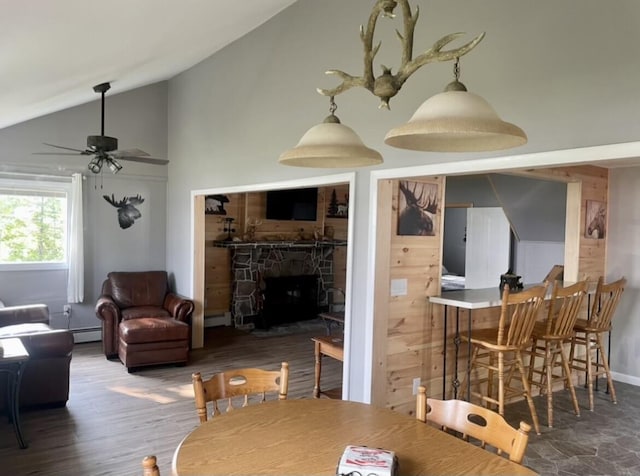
(45, 382)
(143, 322)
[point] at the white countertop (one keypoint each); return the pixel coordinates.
(470, 298)
(482, 298)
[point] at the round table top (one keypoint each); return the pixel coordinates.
(308, 436)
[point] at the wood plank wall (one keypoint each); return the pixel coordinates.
(408, 331)
(249, 208)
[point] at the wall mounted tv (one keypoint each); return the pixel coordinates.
(293, 204)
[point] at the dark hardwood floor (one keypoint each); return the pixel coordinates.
(113, 419)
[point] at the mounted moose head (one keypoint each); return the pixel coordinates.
(127, 211)
(416, 217)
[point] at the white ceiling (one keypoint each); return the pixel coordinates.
(52, 53)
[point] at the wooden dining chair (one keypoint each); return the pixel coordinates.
(589, 332)
(482, 424)
(238, 383)
(497, 352)
(548, 342)
(150, 466)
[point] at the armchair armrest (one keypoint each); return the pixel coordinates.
(179, 307)
(108, 311)
(33, 313)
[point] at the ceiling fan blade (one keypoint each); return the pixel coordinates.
(59, 153)
(144, 160)
(82, 152)
(130, 153)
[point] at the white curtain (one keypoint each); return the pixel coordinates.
(75, 284)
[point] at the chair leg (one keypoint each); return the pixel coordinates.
(549, 361)
(589, 369)
(527, 389)
(605, 364)
(501, 383)
(567, 379)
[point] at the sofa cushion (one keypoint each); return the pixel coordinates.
(144, 311)
(153, 329)
(40, 340)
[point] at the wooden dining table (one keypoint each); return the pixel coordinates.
(308, 437)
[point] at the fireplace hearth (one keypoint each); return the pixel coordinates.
(288, 299)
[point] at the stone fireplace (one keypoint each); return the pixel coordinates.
(254, 267)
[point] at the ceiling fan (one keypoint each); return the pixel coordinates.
(104, 148)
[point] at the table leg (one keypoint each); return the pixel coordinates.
(318, 369)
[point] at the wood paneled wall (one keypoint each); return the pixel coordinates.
(402, 323)
(250, 208)
(408, 331)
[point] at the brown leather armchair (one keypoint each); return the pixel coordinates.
(45, 381)
(143, 322)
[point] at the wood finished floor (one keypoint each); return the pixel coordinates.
(113, 419)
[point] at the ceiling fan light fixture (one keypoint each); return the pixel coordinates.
(113, 165)
(95, 165)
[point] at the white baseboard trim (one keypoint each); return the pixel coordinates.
(87, 334)
(630, 379)
(215, 321)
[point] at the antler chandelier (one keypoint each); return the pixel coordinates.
(452, 121)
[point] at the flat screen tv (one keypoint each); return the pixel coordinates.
(293, 204)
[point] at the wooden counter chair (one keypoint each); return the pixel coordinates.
(498, 351)
(149, 466)
(589, 332)
(333, 312)
(476, 422)
(238, 383)
(554, 332)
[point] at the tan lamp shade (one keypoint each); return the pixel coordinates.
(456, 121)
(330, 145)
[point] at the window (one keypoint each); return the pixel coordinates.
(33, 224)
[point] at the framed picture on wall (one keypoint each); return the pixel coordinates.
(214, 204)
(595, 224)
(338, 208)
(417, 207)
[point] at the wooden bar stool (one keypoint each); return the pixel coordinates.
(499, 350)
(589, 332)
(555, 331)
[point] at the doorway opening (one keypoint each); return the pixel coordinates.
(202, 243)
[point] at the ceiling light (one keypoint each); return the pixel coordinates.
(113, 165)
(453, 121)
(456, 121)
(330, 144)
(95, 165)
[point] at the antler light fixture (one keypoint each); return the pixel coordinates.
(452, 121)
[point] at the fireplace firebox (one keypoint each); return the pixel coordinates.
(288, 299)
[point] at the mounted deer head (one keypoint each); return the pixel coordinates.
(416, 217)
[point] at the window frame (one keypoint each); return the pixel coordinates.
(50, 184)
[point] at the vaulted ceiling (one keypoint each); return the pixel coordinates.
(52, 53)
